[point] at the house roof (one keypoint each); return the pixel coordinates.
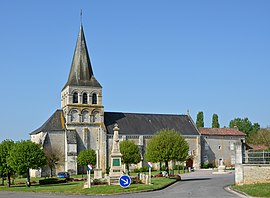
(256, 147)
(81, 72)
(148, 124)
(221, 132)
(55, 123)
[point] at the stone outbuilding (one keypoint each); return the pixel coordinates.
(218, 145)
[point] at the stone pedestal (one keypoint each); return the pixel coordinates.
(116, 167)
(221, 168)
(97, 173)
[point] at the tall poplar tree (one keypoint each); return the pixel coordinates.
(200, 121)
(215, 123)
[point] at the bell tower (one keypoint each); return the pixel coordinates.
(81, 102)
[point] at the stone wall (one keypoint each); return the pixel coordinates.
(256, 173)
(249, 173)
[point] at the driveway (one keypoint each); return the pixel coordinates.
(202, 183)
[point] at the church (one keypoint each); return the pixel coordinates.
(82, 123)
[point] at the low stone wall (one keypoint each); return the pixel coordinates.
(252, 173)
(249, 173)
(256, 173)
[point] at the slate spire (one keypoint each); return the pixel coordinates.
(81, 72)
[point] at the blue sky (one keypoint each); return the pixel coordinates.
(151, 56)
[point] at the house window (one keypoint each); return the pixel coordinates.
(232, 146)
(94, 98)
(84, 98)
(75, 97)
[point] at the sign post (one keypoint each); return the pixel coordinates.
(150, 165)
(89, 168)
(124, 181)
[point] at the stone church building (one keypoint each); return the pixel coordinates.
(82, 123)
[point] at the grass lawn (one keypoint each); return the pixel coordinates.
(256, 190)
(77, 187)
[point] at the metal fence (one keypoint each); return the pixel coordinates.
(253, 157)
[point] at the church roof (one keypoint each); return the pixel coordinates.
(81, 72)
(55, 123)
(148, 124)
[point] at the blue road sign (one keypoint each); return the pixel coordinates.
(124, 181)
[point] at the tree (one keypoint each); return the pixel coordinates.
(244, 125)
(130, 153)
(167, 145)
(5, 169)
(200, 121)
(261, 137)
(54, 157)
(87, 156)
(26, 155)
(215, 123)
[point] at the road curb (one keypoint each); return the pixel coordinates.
(237, 192)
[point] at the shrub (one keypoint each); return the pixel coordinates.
(207, 165)
(52, 181)
(159, 175)
(99, 182)
(144, 169)
(178, 167)
(135, 180)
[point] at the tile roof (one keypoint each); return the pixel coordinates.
(221, 132)
(148, 124)
(55, 123)
(256, 147)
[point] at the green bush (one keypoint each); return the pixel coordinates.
(52, 181)
(144, 169)
(99, 182)
(178, 167)
(136, 170)
(207, 165)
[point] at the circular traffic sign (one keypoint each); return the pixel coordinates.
(124, 181)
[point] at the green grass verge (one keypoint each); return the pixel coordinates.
(256, 190)
(77, 187)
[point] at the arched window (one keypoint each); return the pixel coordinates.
(75, 97)
(84, 98)
(95, 117)
(85, 116)
(74, 116)
(94, 98)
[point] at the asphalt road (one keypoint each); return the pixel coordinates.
(201, 183)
